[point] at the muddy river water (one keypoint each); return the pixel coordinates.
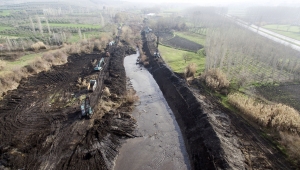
(161, 145)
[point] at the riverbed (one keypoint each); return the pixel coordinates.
(161, 144)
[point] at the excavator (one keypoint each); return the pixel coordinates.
(99, 65)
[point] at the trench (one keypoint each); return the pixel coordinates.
(161, 145)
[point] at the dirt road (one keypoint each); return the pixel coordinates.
(161, 145)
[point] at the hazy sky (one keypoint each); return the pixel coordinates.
(219, 2)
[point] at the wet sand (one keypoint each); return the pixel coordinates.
(161, 145)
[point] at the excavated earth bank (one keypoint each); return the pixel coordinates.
(215, 138)
(40, 126)
(206, 146)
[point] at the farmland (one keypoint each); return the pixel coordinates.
(197, 38)
(286, 30)
(175, 59)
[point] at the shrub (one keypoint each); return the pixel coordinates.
(131, 97)
(2, 65)
(38, 45)
(292, 145)
(215, 79)
(106, 91)
(190, 70)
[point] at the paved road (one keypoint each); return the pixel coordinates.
(295, 44)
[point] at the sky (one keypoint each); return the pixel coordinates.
(225, 2)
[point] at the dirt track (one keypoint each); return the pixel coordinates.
(40, 126)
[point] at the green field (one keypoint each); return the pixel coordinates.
(24, 60)
(286, 30)
(5, 13)
(174, 58)
(200, 39)
(88, 35)
(74, 25)
(4, 28)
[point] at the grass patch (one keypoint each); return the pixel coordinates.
(4, 28)
(200, 39)
(75, 37)
(174, 58)
(5, 13)
(292, 32)
(25, 60)
(74, 25)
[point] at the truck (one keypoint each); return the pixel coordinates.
(92, 85)
(86, 109)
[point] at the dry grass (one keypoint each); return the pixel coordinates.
(190, 70)
(279, 117)
(2, 65)
(37, 46)
(106, 92)
(131, 97)
(292, 145)
(215, 79)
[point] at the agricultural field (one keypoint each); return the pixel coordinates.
(4, 28)
(284, 93)
(182, 43)
(286, 30)
(197, 38)
(175, 59)
(73, 25)
(4, 12)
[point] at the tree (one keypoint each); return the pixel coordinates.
(39, 24)
(32, 25)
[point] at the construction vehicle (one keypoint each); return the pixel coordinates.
(86, 109)
(156, 54)
(92, 85)
(111, 43)
(99, 65)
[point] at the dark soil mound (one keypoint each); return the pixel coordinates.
(39, 122)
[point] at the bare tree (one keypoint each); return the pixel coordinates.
(32, 25)
(39, 24)
(49, 31)
(79, 33)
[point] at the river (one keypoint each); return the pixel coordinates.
(161, 145)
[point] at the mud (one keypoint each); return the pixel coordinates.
(161, 144)
(39, 121)
(215, 137)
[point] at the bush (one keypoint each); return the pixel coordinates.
(37, 46)
(190, 70)
(2, 65)
(130, 97)
(215, 79)
(292, 144)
